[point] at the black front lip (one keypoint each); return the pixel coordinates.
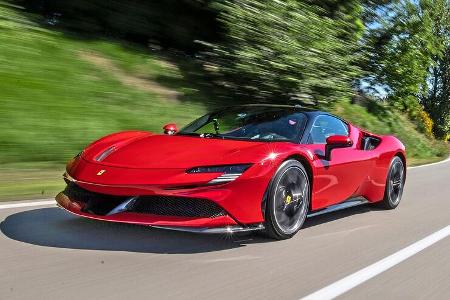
(214, 230)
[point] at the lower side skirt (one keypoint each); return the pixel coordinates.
(343, 205)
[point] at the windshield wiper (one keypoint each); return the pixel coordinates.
(202, 135)
(210, 135)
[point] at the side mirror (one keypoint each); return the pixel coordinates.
(336, 141)
(170, 128)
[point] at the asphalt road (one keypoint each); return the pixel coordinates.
(46, 253)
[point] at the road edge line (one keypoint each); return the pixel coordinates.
(27, 204)
(431, 164)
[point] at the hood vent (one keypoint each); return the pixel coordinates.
(105, 154)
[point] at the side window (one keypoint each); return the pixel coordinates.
(325, 126)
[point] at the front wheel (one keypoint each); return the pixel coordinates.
(288, 200)
(395, 182)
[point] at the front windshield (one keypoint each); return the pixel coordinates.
(250, 123)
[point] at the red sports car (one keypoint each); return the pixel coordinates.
(250, 167)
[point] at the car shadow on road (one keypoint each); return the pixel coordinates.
(53, 227)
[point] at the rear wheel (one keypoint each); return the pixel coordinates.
(287, 201)
(394, 184)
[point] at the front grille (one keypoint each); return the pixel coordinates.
(102, 204)
(178, 206)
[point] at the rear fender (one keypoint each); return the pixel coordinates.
(389, 146)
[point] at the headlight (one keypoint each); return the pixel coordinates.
(229, 172)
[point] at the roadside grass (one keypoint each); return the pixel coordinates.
(412, 162)
(30, 181)
(54, 101)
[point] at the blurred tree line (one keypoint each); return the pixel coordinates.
(311, 51)
(168, 23)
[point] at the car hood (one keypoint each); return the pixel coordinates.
(176, 151)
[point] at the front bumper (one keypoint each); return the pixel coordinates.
(217, 224)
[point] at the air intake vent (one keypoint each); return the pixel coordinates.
(102, 204)
(178, 206)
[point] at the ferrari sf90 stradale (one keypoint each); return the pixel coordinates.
(250, 167)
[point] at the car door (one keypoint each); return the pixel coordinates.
(338, 179)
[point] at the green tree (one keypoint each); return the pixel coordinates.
(402, 46)
(437, 102)
(437, 99)
(279, 50)
(169, 23)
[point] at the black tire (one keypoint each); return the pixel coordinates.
(395, 181)
(287, 201)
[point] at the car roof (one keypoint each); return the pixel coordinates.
(300, 108)
(312, 113)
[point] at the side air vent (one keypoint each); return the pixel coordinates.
(224, 178)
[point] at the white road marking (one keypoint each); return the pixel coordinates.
(347, 283)
(27, 204)
(432, 164)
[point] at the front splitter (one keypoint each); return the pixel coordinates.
(214, 230)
